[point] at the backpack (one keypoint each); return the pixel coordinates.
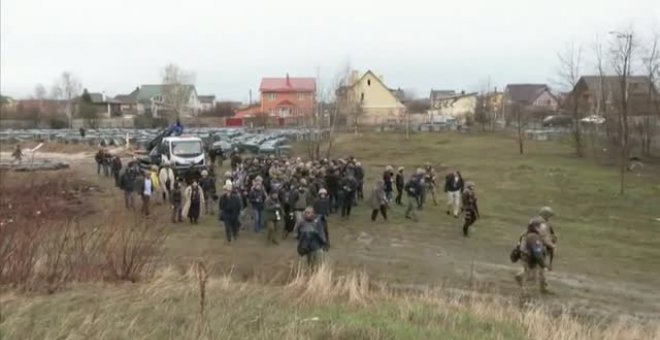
(536, 252)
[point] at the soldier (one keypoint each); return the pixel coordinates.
(532, 257)
(547, 233)
(400, 182)
(413, 189)
(274, 216)
(470, 207)
(429, 182)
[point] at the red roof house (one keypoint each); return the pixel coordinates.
(288, 97)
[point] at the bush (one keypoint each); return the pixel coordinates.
(43, 248)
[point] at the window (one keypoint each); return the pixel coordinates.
(362, 96)
(368, 82)
(186, 148)
(270, 96)
(301, 96)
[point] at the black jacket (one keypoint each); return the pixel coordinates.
(230, 207)
(400, 182)
(450, 185)
(387, 179)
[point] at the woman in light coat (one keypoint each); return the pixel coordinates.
(166, 178)
(194, 201)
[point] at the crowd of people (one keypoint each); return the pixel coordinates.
(286, 196)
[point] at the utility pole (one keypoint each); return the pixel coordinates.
(250, 98)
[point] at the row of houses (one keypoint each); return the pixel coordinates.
(366, 98)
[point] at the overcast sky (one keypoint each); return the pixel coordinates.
(116, 45)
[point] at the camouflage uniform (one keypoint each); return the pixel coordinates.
(533, 267)
(469, 206)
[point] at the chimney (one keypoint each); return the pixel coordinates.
(288, 81)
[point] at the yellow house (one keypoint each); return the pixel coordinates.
(369, 100)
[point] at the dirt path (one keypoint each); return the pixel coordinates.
(398, 252)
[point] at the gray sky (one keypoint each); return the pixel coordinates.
(116, 45)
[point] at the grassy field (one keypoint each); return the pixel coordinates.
(309, 307)
(606, 267)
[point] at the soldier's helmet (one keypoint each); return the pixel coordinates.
(546, 212)
(535, 223)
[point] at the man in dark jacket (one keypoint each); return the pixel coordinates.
(176, 199)
(332, 184)
(413, 189)
(359, 178)
(454, 189)
(388, 181)
(230, 210)
(400, 182)
(127, 179)
(312, 241)
(116, 168)
(322, 210)
(207, 183)
(348, 187)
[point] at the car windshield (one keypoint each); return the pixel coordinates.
(181, 148)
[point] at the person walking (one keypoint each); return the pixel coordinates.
(312, 242)
(322, 210)
(388, 179)
(147, 191)
(400, 182)
(99, 158)
(532, 258)
(257, 197)
(176, 199)
(274, 215)
(230, 211)
(348, 187)
(194, 201)
(378, 201)
(116, 168)
(413, 190)
(454, 189)
(470, 208)
(127, 179)
(155, 180)
(167, 180)
(207, 183)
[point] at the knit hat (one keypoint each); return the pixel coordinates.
(228, 186)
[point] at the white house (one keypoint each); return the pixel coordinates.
(152, 99)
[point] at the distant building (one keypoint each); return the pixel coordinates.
(106, 107)
(370, 100)
(152, 99)
(461, 106)
(288, 96)
(128, 102)
(536, 97)
(437, 95)
(207, 103)
(602, 96)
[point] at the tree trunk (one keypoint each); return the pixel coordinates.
(520, 139)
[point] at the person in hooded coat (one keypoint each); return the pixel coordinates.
(166, 179)
(194, 201)
(378, 201)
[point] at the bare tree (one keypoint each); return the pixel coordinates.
(67, 87)
(177, 87)
(520, 116)
(623, 48)
(652, 65)
(570, 64)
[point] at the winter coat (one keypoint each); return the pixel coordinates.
(451, 185)
(312, 236)
(166, 174)
(273, 208)
(300, 195)
(230, 207)
(400, 182)
(187, 195)
(257, 197)
(127, 180)
(387, 179)
(322, 206)
(155, 181)
(208, 186)
(378, 197)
